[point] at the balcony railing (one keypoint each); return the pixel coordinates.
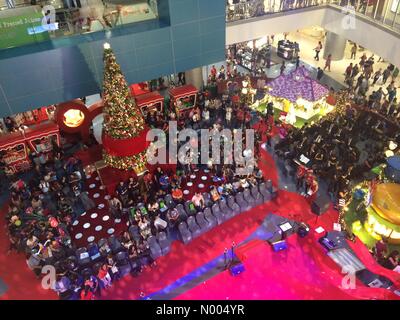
(383, 12)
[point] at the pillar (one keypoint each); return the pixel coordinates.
(334, 45)
(195, 77)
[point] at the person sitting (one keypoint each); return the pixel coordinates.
(198, 201)
(122, 192)
(215, 196)
(392, 261)
(380, 250)
(112, 266)
(164, 182)
(144, 226)
(87, 293)
(159, 223)
(115, 207)
(177, 195)
(173, 217)
(104, 276)
(126, 240)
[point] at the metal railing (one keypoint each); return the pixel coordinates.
(383, 12)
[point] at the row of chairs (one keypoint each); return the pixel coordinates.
(88, 260)
(218, 212)
(159, 244)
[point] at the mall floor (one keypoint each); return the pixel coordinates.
(307, 42)
(307, 53)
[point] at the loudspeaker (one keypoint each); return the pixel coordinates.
(320, 205)
(373, 280)
(236, 269)
(303, 230)
(327, 243)
(279, 245)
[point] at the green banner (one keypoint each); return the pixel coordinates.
(21, 30)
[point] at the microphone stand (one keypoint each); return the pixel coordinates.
(232, 254)
(225, 259)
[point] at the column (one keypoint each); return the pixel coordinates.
(195, 77)
(334, 45)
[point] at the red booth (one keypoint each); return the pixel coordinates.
(139, 88)
(152, 101)
(15, 153)
(39, 137)
(183, 99)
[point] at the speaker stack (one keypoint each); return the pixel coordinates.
(320, 205)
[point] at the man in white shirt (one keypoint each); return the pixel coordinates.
(198, 201)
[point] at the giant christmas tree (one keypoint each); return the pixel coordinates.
(124, 131)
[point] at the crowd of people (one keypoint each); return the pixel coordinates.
(48, 199)
(390, 259)
(360, 77)
(341, 149)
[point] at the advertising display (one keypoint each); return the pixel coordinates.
(23, 27)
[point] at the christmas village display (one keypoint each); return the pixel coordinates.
(297, 95)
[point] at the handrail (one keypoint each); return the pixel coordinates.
(255, 9)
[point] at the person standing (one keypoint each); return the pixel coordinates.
(317, 50)
(353, 51)
(377, 75)
(283, 67)
(320, 74)
(395, 73)
(355, 71)
(297, 62)
(213, 73)
(328, 62)
(348, 71)
(386, 74)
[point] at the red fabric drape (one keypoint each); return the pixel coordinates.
(125, 147)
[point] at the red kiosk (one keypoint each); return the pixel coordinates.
(183, 99)
(15, 153)
(149, 102)
(138, 89)
(38, 137)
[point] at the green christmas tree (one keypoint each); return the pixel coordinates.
(122, 119)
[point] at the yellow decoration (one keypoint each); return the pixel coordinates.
(386, 202)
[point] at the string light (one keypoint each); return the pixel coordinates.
(123, 119)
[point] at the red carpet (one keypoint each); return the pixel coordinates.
(289, 274)
(90, 155)
(301, 272)
(183, 259)
(197, 181)
(96, 223)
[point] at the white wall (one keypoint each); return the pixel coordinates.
(377, 40)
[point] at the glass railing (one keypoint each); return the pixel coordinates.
(28, 21)
(255, 8)
(384, 12)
